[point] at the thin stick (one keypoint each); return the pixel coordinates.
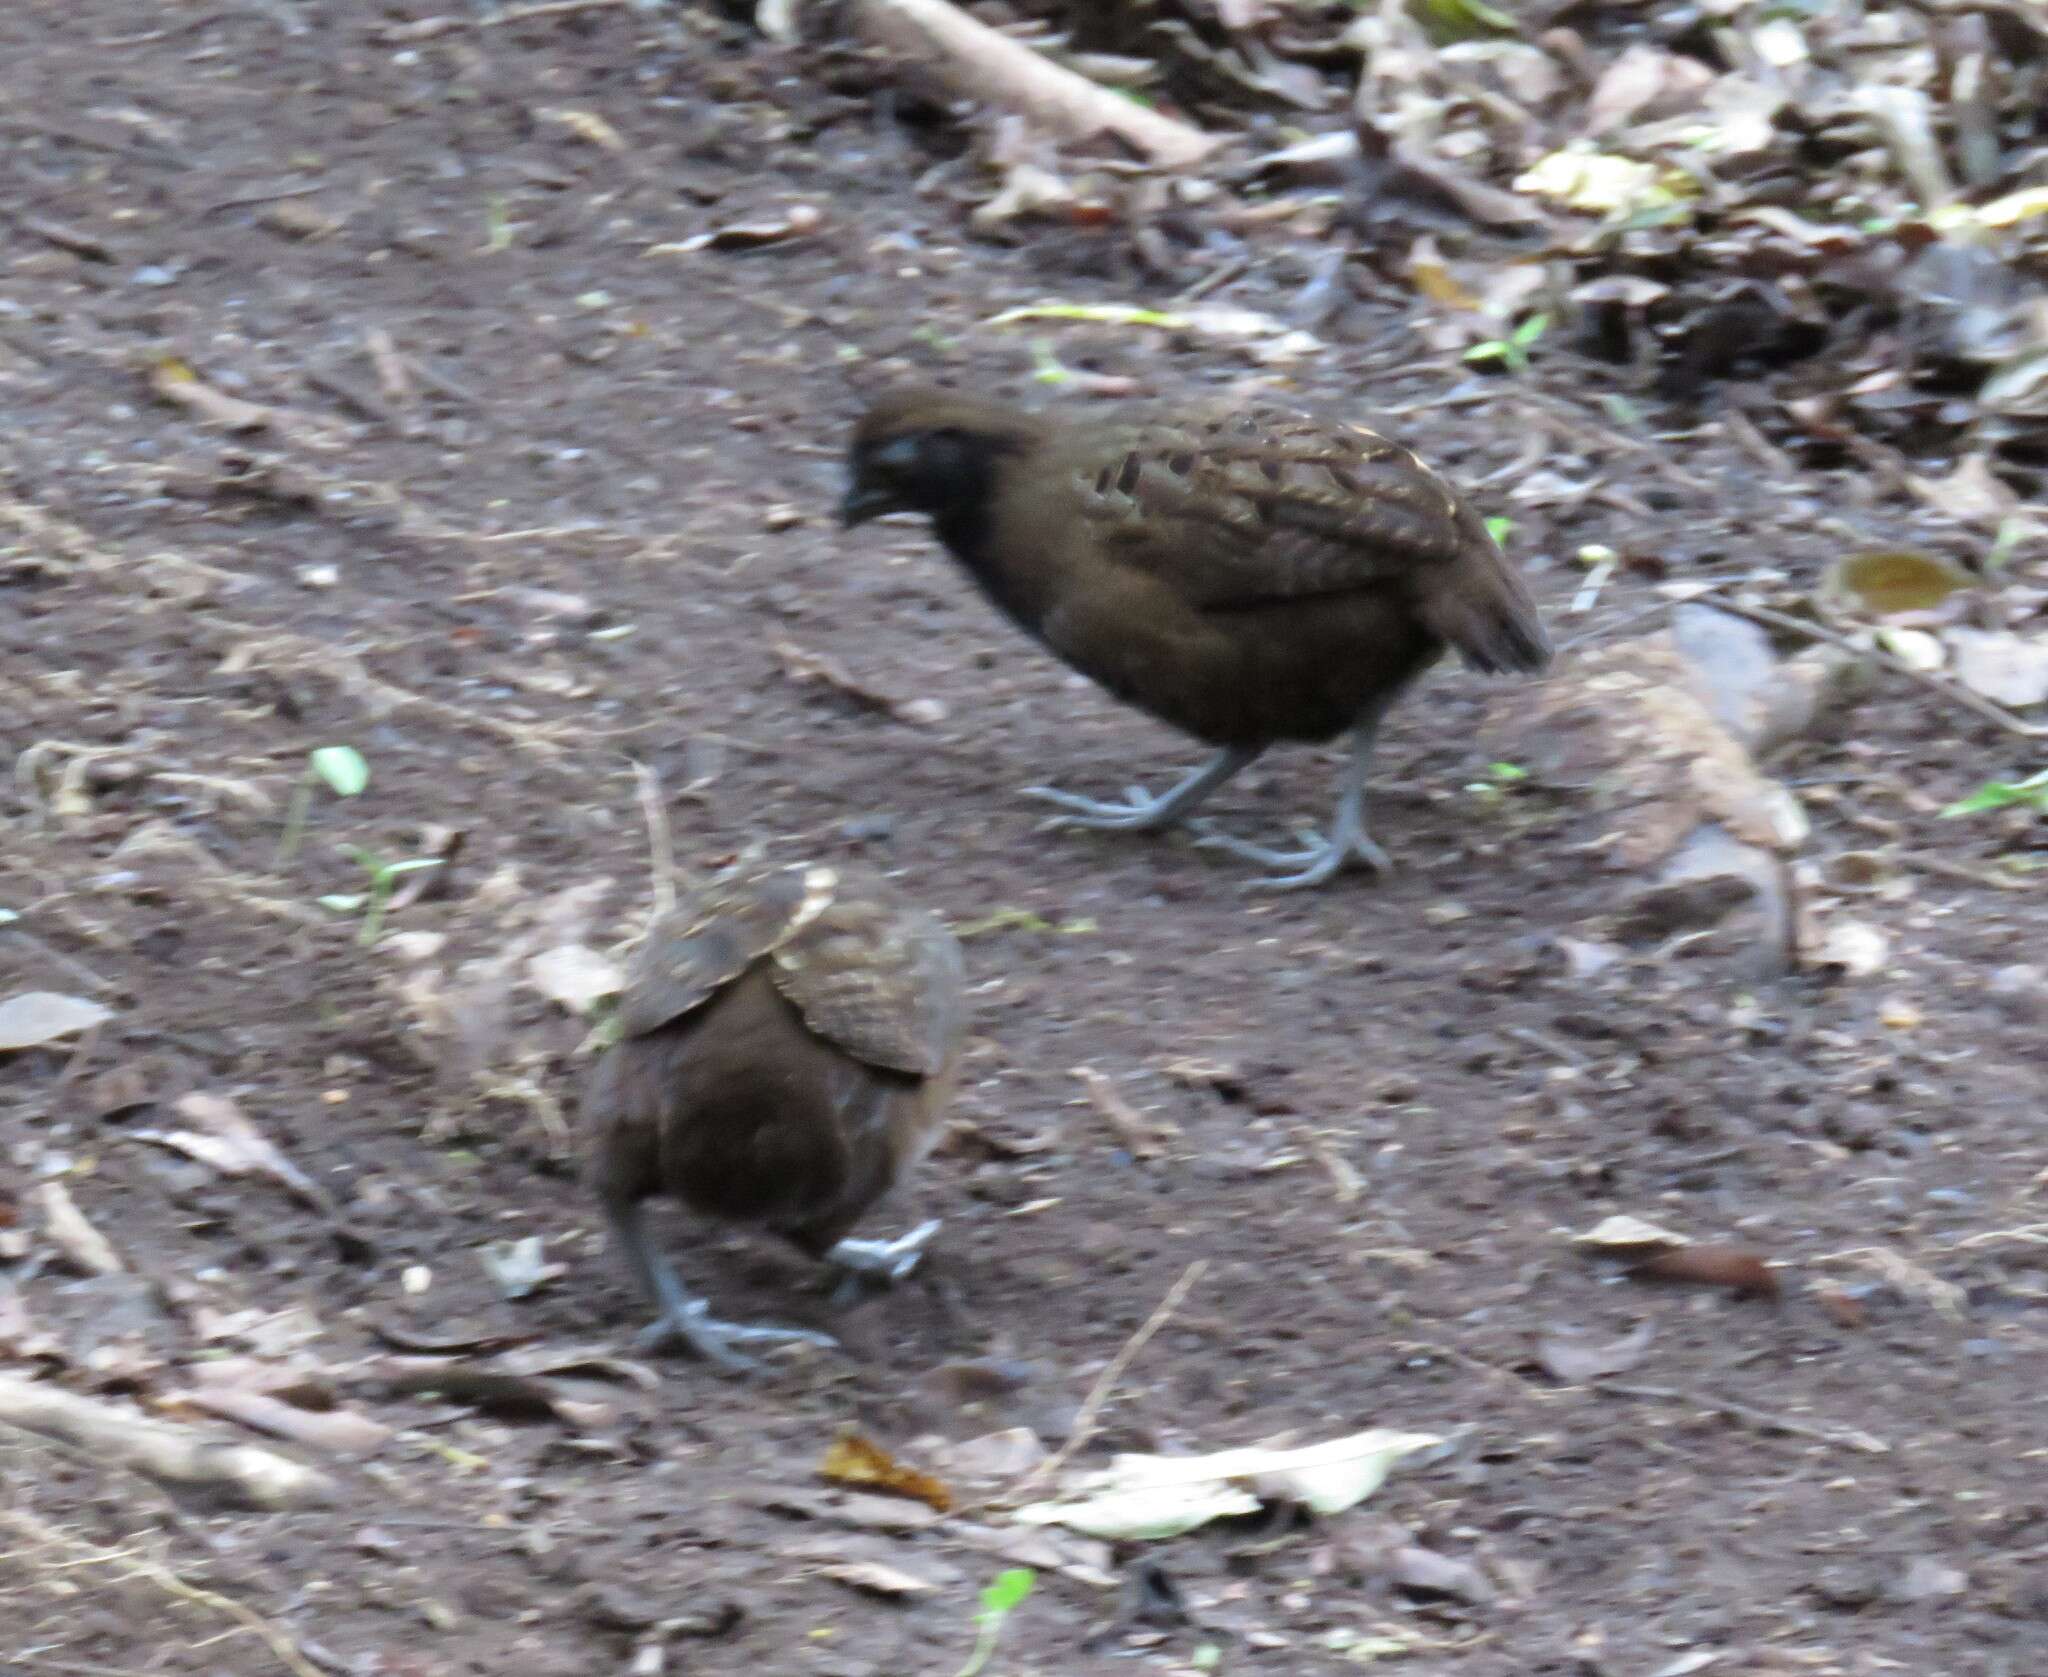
(1099, 1394)
(1599, 631)
(274, 1637)
(661, 847)
(1898, 666)
(1826, 1432)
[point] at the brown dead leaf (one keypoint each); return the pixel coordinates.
(794, 223)
(854, 1459)
(497, 1391)
(1742, 1272)
(1843, 1309)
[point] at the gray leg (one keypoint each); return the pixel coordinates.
(1319, 858)
(684, 1318)
(1137, 813)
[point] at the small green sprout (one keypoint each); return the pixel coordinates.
(1620, 409)
(1046, 365)
(2031, 793)
(999, 1599)
(384, 878)
(1511, 352)
(2011, 532)
(1501, 778)
(341, 769)
(499, 229)
(1499, 528)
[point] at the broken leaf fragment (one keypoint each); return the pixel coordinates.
(1162, 1496)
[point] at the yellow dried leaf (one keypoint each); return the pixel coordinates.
(1888, 583)
(857, 1460)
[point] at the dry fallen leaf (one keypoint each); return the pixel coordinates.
(1575, 1359)
(226, 1139)
(1622, 1234)
(878, 1579)
(1885, 584)
(855, 1460)
(39, 1016)
(574, 975)
(2008, 669)
(1139, 1497)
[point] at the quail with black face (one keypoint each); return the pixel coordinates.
(1247, 577)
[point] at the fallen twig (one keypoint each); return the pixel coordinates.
(979, 63)
(240, 1475)
(1142, 1137)
(1099, 1394)
(81, 1553)
(1827, 1432)
(661, 848)
(1898, 666)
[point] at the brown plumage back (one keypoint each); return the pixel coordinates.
(787, 1044)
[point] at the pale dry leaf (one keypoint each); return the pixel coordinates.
(1622, 1233)
(39, 1016)
(1854, 948)
(575, 976)
(179, 385)
(876, 1578)
(1575, 1359)
(587, 125)
(2008, 669)
(226, 1139)
(1162, 1496)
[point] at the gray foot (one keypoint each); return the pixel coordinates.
(693, 1325)
(863, 1263)
(884, 1260)
(1133, 813)
(1316, 861)
(1138, 812)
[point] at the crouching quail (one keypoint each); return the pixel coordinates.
(1246, 577)
(787, 1041)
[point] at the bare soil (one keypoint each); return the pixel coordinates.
(1393, 1102)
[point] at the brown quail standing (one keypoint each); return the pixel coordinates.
(787, 1041)
(1247, 577)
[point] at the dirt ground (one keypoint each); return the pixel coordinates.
(592, 523)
